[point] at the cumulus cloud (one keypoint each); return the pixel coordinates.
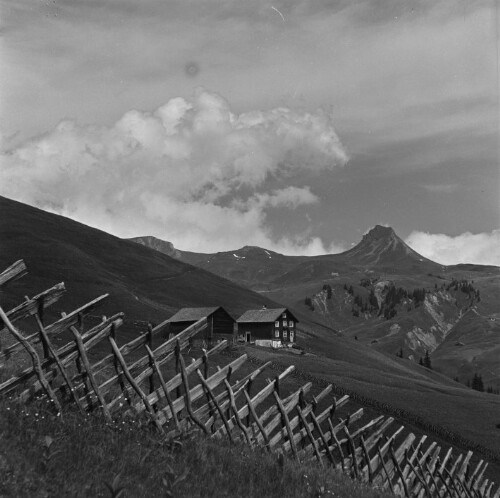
(192, 171)
(481, 248)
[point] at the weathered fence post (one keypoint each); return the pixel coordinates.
(284, 419)
(37, 365)
(150, 344)
(134, 384)
(118, 371)
(89, 373)
(156, 368)
(53, 355)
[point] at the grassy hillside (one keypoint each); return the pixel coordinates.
(143, 283)
(424, 400)
(82, 456)
(472, 347)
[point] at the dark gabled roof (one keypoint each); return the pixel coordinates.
(263, 315)
(192, 314)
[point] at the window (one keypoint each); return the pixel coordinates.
(276, 333)
(284, 316)
(277, 323)
(285, 323)
(285, 334)
(290, 323)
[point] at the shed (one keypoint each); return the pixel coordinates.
(268, 327)
(221, 325)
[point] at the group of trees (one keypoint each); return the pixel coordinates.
(392, 297)
(466, 287)
(426, 361)
(477, 384)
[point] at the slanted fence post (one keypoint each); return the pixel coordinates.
(37, 364)
(163, 384)
(39, 320)
(89, 373)
(151, 377)
(118, 370)
(248, 391)
(284, 419)
(177, 352)
(53, 355)
(134, 384)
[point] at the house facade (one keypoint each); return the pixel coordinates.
(221, 325)
(268, 327)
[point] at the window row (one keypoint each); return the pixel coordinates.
(285, 334)
(285, 323)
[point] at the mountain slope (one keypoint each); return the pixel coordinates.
(143, 283)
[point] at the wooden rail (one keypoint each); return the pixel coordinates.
(219, 403)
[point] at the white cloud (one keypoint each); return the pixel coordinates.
(192, 172)
(481, 248)
(441, 188)
(290, 197)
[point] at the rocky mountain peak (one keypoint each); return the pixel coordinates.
(379, 232)
(162, 246)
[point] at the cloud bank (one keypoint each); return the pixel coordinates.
(192, 172)
(481, 248)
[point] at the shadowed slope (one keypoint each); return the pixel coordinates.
(143, 283)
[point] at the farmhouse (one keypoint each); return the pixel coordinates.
(221, 325)
(268, 327)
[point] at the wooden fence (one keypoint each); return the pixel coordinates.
(138, 378)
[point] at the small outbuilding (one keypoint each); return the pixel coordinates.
(221, 325)
(268, 327)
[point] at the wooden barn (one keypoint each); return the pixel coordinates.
(268, 327)
(221, 325)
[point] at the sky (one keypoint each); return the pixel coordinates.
(291, 125)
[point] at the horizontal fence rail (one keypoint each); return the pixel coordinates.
(179, 393)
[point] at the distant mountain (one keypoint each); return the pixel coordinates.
(381, 246)
(250, 266)
(158, 245)
(383, 293)
(260, 268)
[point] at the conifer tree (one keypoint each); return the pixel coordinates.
(477, 383)
(427, 360)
